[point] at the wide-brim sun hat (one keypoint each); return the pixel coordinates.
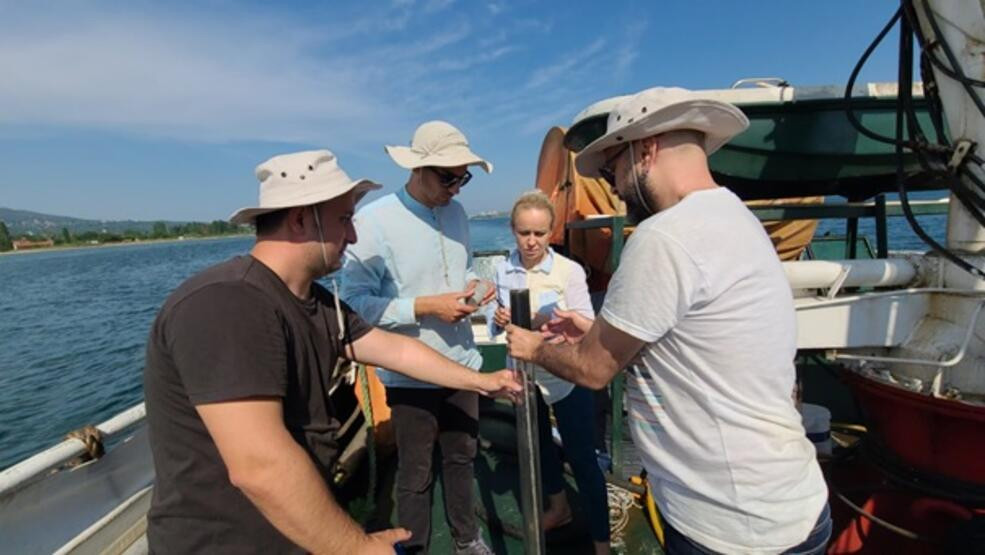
(300, 179)
(659, 110)
(590, 123)
(437, 143)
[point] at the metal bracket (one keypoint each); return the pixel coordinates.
(961, 150)
(838, 283)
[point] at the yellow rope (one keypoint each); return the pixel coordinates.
(654, 514)
(367, 406)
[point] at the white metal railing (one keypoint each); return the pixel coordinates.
(23, 472)
(935, 387)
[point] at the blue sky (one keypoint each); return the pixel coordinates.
(154, 110)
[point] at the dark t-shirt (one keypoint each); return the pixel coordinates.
(234, 331)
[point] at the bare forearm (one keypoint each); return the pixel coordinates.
(566, 361)
(293, 496)
(414, 359)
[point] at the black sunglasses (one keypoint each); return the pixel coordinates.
(449, 179)
(606, 170)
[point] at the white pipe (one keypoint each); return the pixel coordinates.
(24, 471)
(821, 274)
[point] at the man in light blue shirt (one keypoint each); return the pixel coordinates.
(411, 273)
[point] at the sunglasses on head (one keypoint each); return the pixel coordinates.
(607, 169)
(449, 179)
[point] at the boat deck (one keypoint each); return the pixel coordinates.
(498, 501)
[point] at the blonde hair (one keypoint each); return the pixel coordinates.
(532, 199)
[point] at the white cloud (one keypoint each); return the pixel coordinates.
(629, 51)
(437, 5)
(495, 8)
(217, 77)
(530, 24)
(541, 123)
(463, 63)
(577, 61)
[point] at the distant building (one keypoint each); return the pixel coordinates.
(24, 244)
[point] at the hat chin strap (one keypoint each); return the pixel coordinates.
(335, 284)
(636, 182)
(321, 235)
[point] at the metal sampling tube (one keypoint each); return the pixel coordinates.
(526, 434)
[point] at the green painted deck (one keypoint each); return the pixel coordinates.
(498, 507)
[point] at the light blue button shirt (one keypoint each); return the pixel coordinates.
(406, 250)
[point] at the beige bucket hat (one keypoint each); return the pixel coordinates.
(659, 110)
(437, 143)
(300, 179)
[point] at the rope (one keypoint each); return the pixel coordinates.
(620, 502)
(654, 514)
(367, 406)
(92, 440)
(885, 524)
(441, 243)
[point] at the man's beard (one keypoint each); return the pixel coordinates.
(636, 212)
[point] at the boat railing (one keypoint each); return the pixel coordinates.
(760, 82)
(851, 212)
(41, 464)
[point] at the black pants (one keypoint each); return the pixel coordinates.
(420, 417)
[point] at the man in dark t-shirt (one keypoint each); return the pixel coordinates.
(239, 364)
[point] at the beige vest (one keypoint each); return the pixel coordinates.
(547, 289)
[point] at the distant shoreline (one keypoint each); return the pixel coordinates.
(494, 216)
(123, 244)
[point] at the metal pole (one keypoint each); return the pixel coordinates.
(527, 439)
(617, 385)
(882, 235)
(851, 239)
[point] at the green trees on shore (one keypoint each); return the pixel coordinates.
(5, 243)
(159, 230)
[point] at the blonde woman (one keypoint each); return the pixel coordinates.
(554, 282)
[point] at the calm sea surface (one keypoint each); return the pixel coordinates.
(73, 325)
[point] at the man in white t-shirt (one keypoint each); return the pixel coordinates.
(701, 309)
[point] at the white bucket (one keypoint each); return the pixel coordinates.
(817, 425)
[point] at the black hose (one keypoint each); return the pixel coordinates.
(904, 110)
(932, 157)
(959, 74)
(936, 62)
(851, 82)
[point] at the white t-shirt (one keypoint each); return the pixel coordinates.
(710, 397)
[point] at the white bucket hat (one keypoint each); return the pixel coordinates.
(437, 143)
(300, 179)
(659, 110)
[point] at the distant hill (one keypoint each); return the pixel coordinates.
(20, 222)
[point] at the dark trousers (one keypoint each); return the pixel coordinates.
(676, 543)
(574, 423)
(420, 418)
